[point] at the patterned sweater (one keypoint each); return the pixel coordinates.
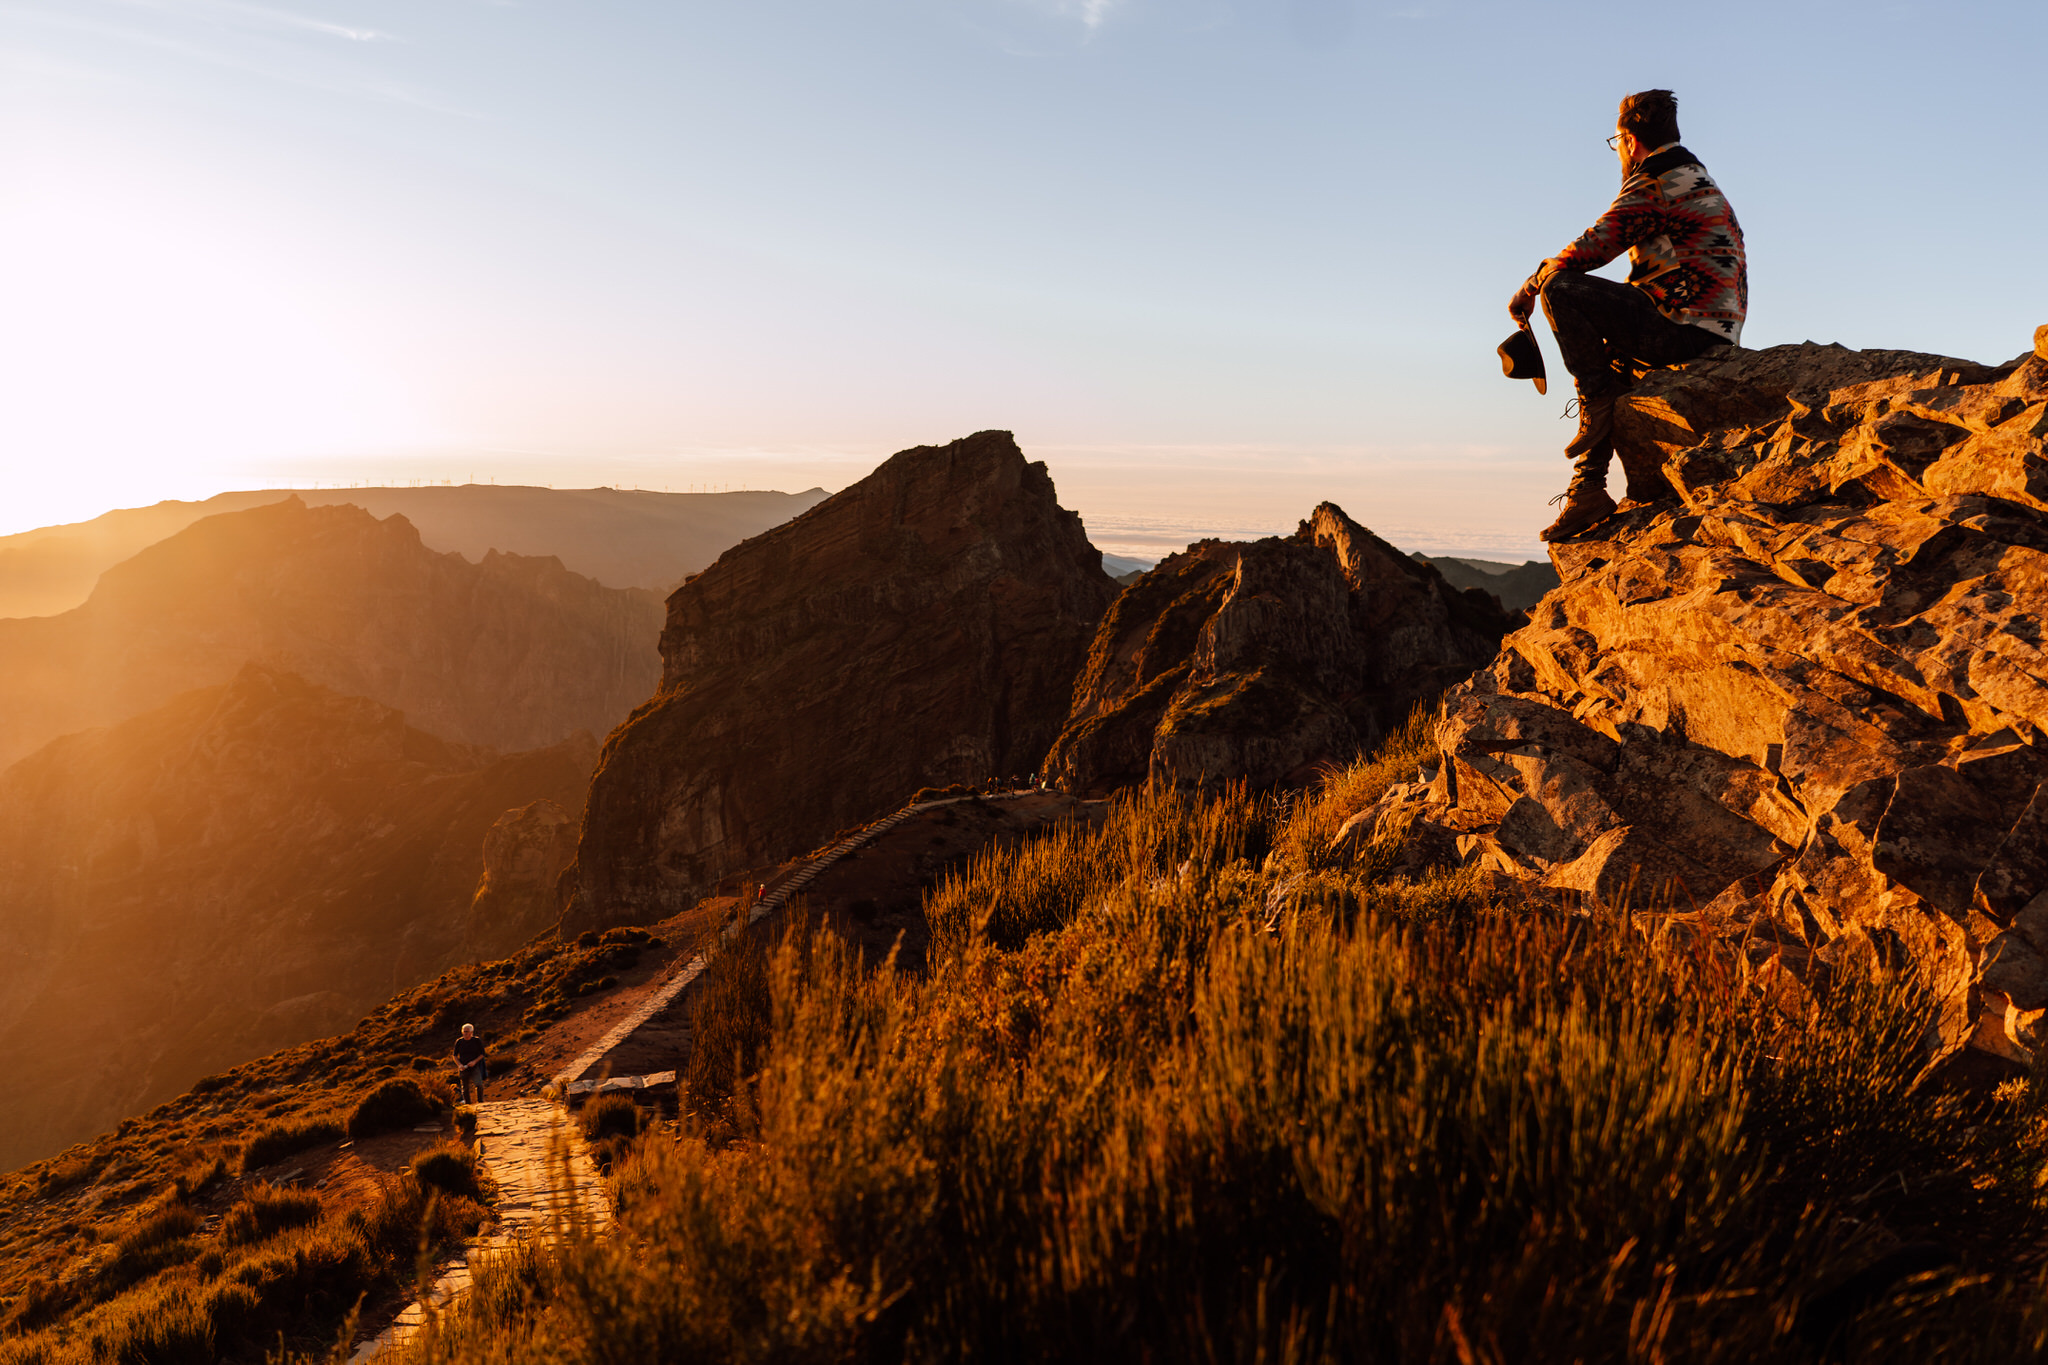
(1684, 245)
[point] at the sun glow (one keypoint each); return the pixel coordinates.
(157, 338)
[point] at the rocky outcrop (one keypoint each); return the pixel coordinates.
(920, 628)
(511, 652)
(245, 867)
(1813, 690)
(525, 854)
(1262, 660)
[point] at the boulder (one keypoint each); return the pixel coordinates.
(1261, 661)
(920, 628)
(1809, 686)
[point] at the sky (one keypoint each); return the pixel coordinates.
(1214, 261)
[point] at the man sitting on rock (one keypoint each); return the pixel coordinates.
(1687, 290)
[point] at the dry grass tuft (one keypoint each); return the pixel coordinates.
(1193, 1085)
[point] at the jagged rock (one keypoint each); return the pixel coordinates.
(525, 854)
(1262, 660)
(1813, 691)
(920, 628)
(511, 652)
(248, 866)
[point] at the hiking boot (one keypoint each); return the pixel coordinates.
(1586, 505)
(1596, 430)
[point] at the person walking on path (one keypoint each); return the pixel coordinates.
(1687, 291)
(470, 1070)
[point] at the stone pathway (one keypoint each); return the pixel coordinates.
(778, 895)
(522, 1144)
(522, 1141)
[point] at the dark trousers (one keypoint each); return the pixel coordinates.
(1608, 332)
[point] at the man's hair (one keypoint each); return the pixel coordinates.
(1652, 115)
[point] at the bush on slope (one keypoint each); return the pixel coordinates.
(1191, 1085)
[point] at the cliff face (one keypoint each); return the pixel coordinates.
(920, 628)
(1263, 660)
(511, 652)
(248, 866)
(1815, 692)
(525, 854)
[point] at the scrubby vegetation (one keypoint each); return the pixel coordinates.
(275, 1141)
(165, 1241)
(266, 1211)
(1199, 1083)
(398, 1103)
(451, 1168)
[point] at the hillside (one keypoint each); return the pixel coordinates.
(246, 866)
(274, 1196)
(1193, 1076)
(623, 538)
(511, 652)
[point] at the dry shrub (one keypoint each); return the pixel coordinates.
(266, 1211)
(729, 1027)
(160, 1240)
(72, 1168)
(275, 1141)
(398, 1103)
(450, 1167)
(408, 1216)
(1180, 1088)
(610, 1116)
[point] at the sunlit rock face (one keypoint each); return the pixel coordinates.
(920, 628)
(1262, 661)
(1812, 690)
(512, 652)
(245, 867)
(525, 853)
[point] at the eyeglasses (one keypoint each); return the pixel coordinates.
(1614, 142)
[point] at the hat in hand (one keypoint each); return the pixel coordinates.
(1519, 358)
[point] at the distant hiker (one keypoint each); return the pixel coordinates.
(470, 1071)
(1687, 290)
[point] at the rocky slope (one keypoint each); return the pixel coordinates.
(1263, 660)
(245, 867)
(624, 538)
(1812, 691)
(510, 652)
(920, 628)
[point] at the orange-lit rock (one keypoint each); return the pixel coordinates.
(525, 853)
(1813, 691)
(1262, 660)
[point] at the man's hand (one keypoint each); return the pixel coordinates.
(1523, 304)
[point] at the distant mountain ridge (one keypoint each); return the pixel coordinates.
(1518, 586)
(623, 538)
(512, 652)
